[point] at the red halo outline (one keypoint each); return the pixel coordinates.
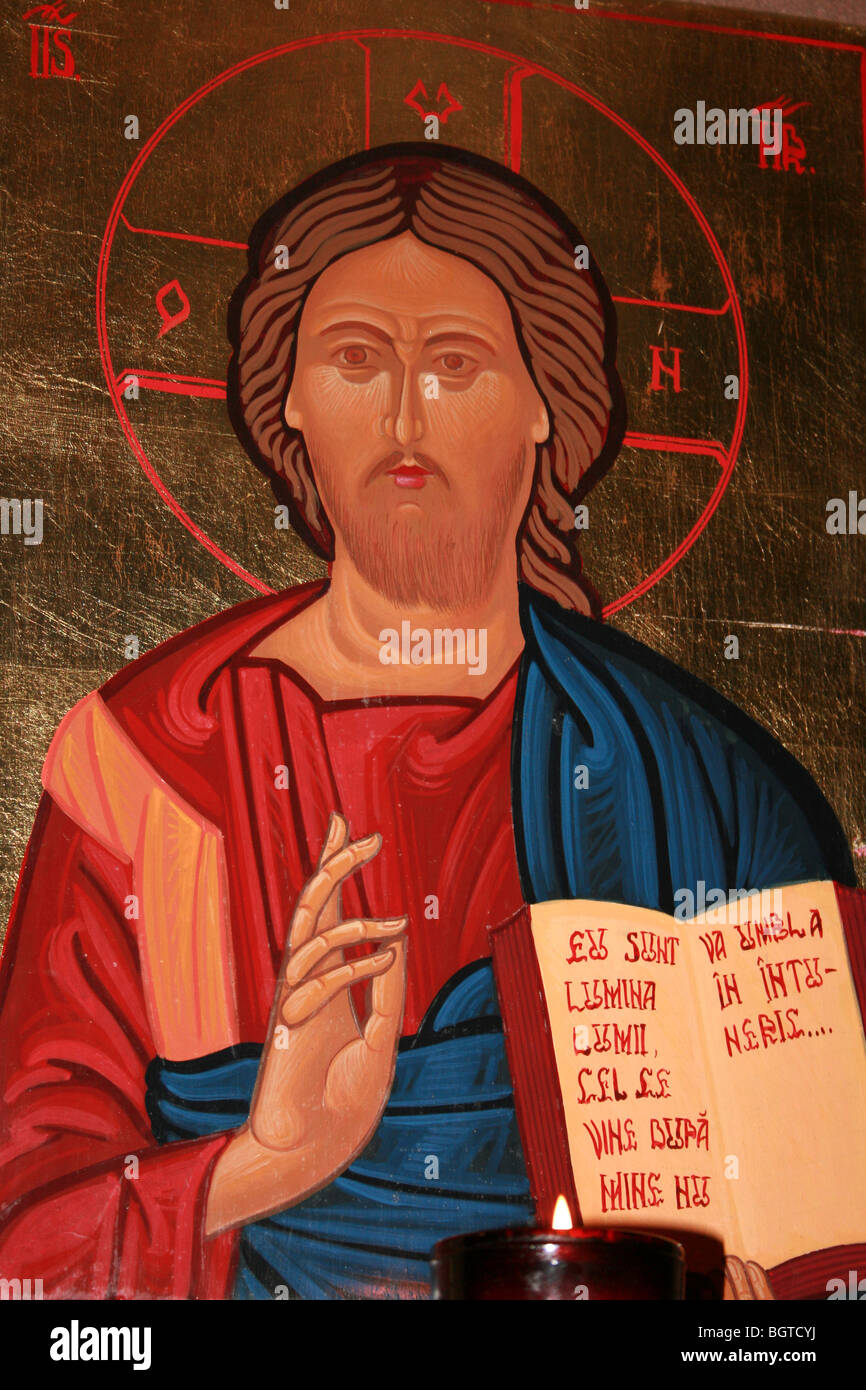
(359, 35)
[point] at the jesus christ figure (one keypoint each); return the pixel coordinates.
(251, 1044)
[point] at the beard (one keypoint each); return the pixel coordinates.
(442, 559)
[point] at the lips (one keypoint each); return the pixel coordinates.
(409, 474)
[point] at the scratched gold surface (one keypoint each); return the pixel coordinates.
(116, 562)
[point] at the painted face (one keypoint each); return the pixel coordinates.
(420, 419)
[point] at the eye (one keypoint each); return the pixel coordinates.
(457, 366)
(355, 356)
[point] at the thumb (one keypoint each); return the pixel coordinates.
(387, 1000)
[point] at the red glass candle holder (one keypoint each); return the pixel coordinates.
(574, 1265)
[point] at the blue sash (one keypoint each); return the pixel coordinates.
(445, 1159)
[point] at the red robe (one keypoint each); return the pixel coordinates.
(169, 799)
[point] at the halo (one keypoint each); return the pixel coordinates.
(517, 72)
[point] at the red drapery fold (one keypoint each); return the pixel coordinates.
(90, 1205)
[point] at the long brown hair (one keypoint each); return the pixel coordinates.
(563, 320)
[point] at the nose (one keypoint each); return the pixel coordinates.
(406, 426)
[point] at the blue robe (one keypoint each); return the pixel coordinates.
(681, 790)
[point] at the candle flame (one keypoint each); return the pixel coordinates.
(561, 1215)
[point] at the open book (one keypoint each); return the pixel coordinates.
(704, 1077)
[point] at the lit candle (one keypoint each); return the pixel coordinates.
(559, 1262)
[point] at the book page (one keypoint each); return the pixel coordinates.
(786, 1049)
(640, 1111)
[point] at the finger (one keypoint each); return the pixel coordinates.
(314, 994)
(736, 1279)
(336, 838)
(757, 1276)
(387, 998)
(317, 892)
(346, 934)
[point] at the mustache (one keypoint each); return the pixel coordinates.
(398, 455)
